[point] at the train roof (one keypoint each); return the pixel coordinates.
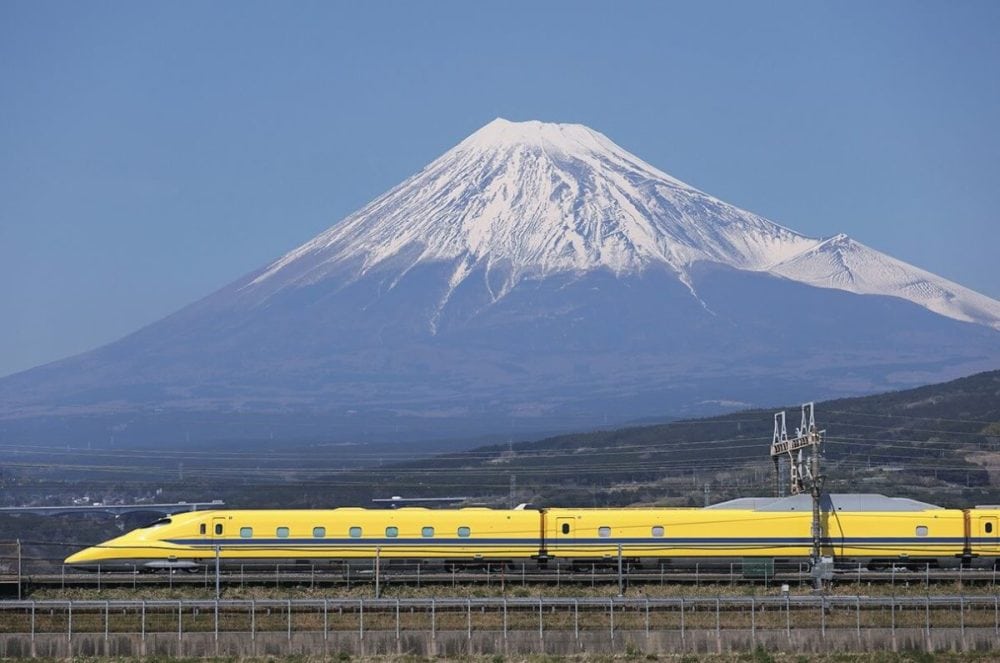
(830, 502)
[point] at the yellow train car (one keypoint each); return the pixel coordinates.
(674, 535)
(872, 530)
(345, 534)
(881, 538)
(984, 535)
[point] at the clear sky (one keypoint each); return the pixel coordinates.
(151, 153)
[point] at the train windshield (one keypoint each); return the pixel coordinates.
(158, 523)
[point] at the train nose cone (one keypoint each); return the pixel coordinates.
(84, 557)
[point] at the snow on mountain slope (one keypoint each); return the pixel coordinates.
(531, 199)
(844, 264)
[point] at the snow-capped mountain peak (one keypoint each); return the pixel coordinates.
(567, 138)
(542, 198)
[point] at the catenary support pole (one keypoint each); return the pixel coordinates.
(621, 579)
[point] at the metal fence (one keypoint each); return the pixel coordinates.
(500, 615)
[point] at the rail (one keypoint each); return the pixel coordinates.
(417, 575)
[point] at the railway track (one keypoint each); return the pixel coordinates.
(279, 576)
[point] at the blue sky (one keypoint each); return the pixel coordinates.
(151, 153)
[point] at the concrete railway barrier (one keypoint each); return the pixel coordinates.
(430, 627)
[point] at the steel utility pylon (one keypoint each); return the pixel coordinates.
(802, 477)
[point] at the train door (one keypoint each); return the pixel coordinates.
(989, 537)
(565, 530)
(218, 528)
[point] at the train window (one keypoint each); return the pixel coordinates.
(319, 532)
(282, 532)
(246, 532)
(989, 527)
(604, 532)
(657, 530)
(392, 532)
(921, 530)
(157, 523)
(565, 528)
(464, 532)
(427, 532)
(218, 529)
(201, 529)
(355, 532)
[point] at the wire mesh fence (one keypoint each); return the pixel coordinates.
(544, 615)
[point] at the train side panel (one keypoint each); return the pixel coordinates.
(409, 533)
(934, 536)
(984, 536)
(676, 535)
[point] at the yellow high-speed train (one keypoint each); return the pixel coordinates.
(868, 529)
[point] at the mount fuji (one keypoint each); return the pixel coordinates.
(534, 277)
